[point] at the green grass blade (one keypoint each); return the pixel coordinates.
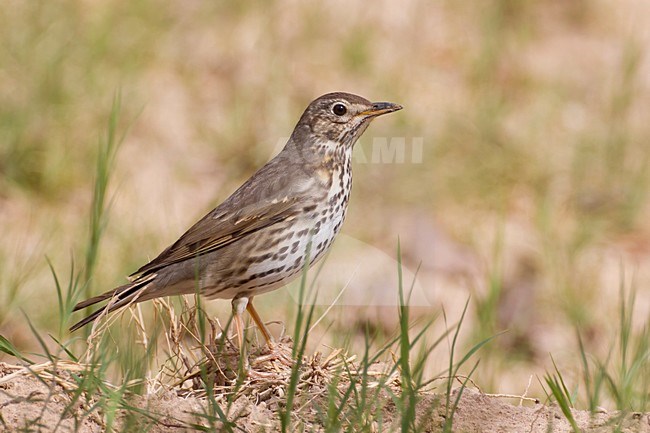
(10, 349)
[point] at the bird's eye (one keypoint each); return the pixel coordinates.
(339, 109)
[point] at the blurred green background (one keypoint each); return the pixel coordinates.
(532, 194)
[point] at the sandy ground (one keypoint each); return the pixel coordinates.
(30, 404)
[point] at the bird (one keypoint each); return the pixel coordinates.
(280, 221)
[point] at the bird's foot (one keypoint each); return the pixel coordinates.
(275, 353)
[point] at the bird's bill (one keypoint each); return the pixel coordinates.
(379, 108)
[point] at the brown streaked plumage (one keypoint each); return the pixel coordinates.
(257, 239)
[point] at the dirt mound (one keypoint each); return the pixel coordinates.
(31, 402)
(483, 413)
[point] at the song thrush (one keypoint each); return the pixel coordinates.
(259, 238)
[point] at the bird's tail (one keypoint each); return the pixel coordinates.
(119, 297)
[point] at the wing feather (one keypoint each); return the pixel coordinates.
(216, 230)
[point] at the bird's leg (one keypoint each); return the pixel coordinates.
(260, 325)
(277, 351)
(238, 307)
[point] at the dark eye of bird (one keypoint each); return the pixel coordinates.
(339, 109)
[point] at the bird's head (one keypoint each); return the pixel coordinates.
(339, 119)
